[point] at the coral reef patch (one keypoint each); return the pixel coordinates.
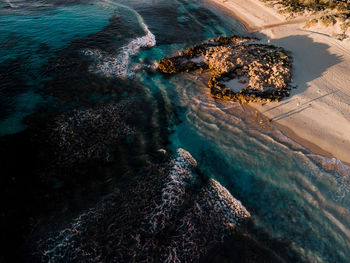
(265, 69)
(91, 133)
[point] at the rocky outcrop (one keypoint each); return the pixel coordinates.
(166, 216)
(268, 68)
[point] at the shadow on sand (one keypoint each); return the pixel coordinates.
(310, 61)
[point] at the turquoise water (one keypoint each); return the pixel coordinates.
(297, 199)
(32, 39)
(290, 195)
(55, 28)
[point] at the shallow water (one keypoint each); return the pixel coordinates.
(61, 56)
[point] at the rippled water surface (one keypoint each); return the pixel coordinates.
(59, 58)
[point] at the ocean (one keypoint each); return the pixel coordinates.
(83, 108)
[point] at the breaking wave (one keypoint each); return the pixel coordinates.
(341, 175)
(11, 4)
(21, 4)
(117, 65)
(140, 227)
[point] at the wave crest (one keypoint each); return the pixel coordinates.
(117, 65)
(137, 223)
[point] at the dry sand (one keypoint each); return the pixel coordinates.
(317, 114)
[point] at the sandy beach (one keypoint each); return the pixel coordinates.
(317, 114)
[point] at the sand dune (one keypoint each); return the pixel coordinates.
(317, 114)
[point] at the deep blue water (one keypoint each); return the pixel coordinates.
(59, 56)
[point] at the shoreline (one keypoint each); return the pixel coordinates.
(307, 144)
(317, 114)
(231, 12)
(286, 131)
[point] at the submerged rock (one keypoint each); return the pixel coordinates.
(267, 68)
(92, 133)
(159, 217)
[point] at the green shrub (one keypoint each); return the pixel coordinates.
(327, 20)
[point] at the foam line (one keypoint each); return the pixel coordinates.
(11, 4)
(111, 65)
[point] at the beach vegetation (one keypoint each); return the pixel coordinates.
(311, 23)
(327, 20)
(299, 6)
(345, 26)
(332, 13)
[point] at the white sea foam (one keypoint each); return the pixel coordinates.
(117, 65)
(11, 4)
(214, 213)
(174, 190)
(59, 244)
(342, 174)
(331, 164)
(24, 4)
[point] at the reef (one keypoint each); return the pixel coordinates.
(168, 215)
(92, 133)
(264, 71)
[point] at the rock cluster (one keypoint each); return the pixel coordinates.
(268, 68)
(159, 218)
(188, 60)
